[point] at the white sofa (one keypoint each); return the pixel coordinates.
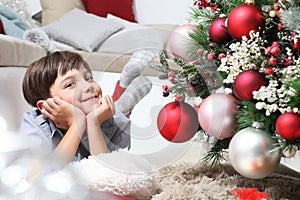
(17, 52)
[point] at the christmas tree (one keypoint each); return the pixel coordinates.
(248, 50)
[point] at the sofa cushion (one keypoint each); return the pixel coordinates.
(134, 37)
(17, 52)
(55, 9)
(82, 30)
(120, 8)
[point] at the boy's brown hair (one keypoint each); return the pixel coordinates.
(41, 74)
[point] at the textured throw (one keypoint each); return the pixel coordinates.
(118, 172)
(13, 25)
(198, 181)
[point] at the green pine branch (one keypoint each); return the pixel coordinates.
(247, 114)
(294, 85)
(215, 154)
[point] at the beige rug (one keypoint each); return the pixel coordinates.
(198, 181)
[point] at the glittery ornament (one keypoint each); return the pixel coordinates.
(177, 122)
(252, 153)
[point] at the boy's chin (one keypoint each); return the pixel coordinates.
(90, 108)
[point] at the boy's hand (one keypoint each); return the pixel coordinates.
(62, 113)
(104, 111)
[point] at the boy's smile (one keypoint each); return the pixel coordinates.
(92, 98)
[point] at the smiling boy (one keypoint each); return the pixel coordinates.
(72, 118)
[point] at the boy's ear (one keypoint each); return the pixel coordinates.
(39, 104)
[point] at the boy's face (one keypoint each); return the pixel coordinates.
(77, 87)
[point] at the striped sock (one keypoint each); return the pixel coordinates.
(135, 66)
(137, 89)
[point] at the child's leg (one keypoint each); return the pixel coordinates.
(134, 67)
(137, 63)
(138, 88)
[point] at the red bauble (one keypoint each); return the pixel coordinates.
(244, 18)
(288, 125)
(177, 122)
(247, 82)
(218, 32)
(179, 42)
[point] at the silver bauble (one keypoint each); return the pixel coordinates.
(252, 153)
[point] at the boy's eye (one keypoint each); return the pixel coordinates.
(89, 78)
(70, 85)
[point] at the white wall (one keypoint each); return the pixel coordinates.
(147, 11)
(162, 11)
(34, 6)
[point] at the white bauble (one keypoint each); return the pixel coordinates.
(252, 153)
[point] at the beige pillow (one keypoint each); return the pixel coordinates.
(133, 37)
(55, 9)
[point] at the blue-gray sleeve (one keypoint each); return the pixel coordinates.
(117, 132)
(36, 131)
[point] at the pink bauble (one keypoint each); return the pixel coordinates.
(244, 18)
(180, 42)
(218, 32)
(288, 125)
(216, 115)
(177, 122)
(247, 82)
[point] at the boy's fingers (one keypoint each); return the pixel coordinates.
(111, 103)
(46, 106)
(108, 99)
(51, 103)
(46, 113)
(57, 100)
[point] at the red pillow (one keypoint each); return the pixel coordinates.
(119, 8)
(1, 28)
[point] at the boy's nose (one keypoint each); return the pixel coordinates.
(87, 87)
